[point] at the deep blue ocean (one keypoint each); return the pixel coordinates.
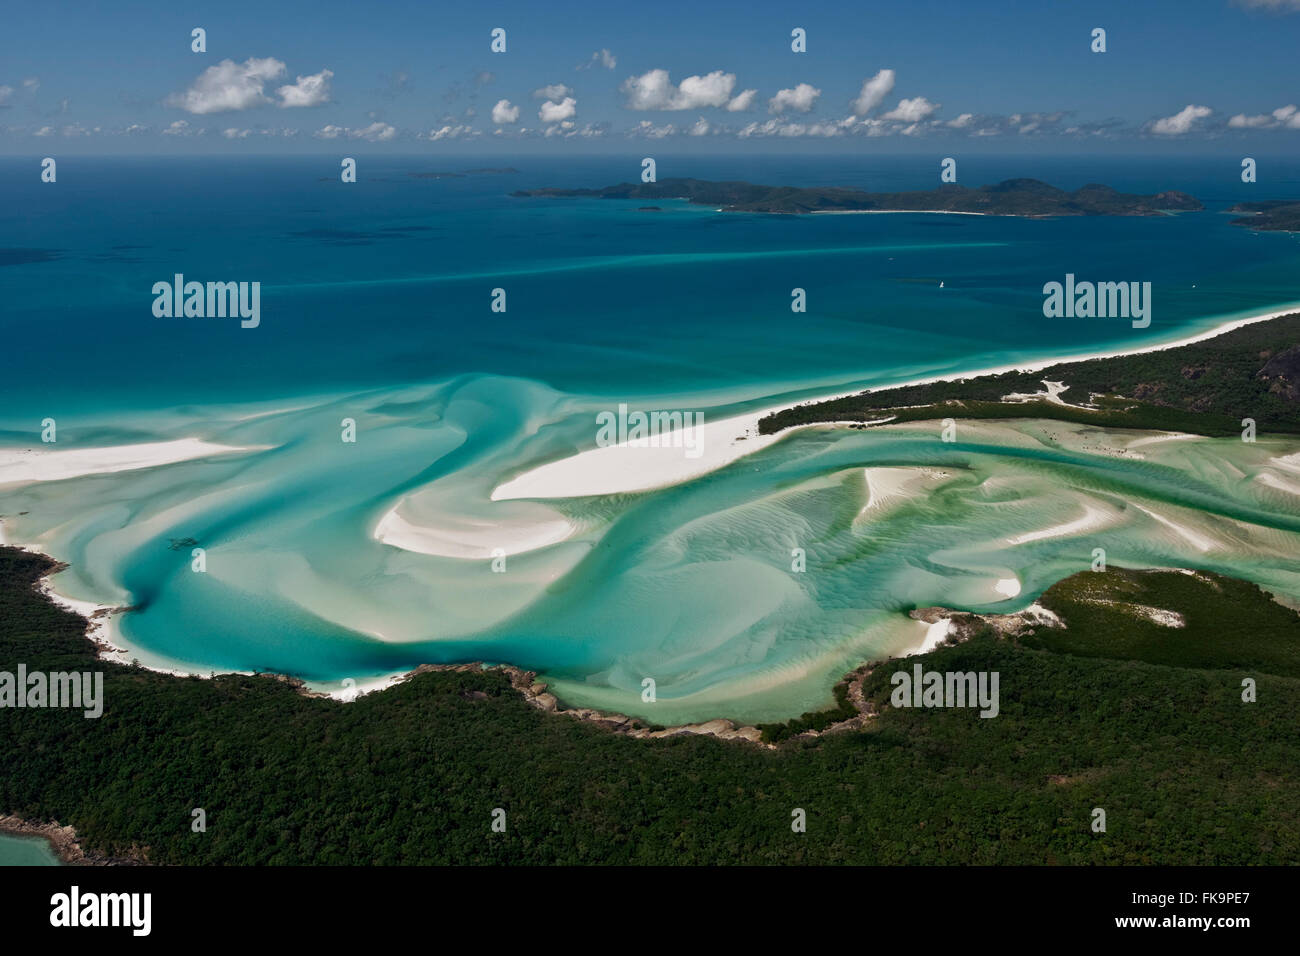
(388, 280)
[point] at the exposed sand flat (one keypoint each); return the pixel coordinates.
(891, 485)
(1007, 587)
(1198, 541)
(935, 635)
(26, 465)
(460, 536)
(1158, 438)
(1279, 483)
(618, 469)
(1287, 462)
(1092, 519)
(630, 466)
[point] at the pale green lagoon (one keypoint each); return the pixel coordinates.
(26, 851)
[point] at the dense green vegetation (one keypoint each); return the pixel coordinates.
(1103, 619)
(817, 720)
(1206, 387)
(1013, 197)
(1186, 772)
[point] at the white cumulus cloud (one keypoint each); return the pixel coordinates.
(800, 99)
(912, 111)
(651, 131)
(1284, 116)
(504, 113)
(450, 132)
(566, 109)
(311, 90)
(785, 128)
(741, 101)
(229, 86)
(654, 90)
(376, 132)
(601, 57)
(873, 93)
(555, 91)
(1181, 122)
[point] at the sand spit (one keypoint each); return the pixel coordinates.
(632, 467)
(20, 466)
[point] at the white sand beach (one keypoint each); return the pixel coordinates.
(45, 463)
(624, 468)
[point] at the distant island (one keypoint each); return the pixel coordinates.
(1272, 215)
(1013, 197)
(478, 171)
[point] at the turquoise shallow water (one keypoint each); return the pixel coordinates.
(26, 851)
(375, 307)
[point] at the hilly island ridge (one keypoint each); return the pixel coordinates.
(1012, 197)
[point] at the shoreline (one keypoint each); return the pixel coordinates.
(623, 462)
(627, 468)
(536, 693)
(63, 841)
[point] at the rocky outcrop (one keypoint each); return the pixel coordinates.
(1282, 373)
(66, 844)
(537, 694)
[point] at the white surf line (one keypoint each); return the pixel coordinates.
(28, 465)
(627, 467)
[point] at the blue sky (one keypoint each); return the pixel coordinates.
(409, 77)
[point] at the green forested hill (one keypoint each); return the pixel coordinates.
(1207, 387)
(1012, 197)
(1186, 772)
